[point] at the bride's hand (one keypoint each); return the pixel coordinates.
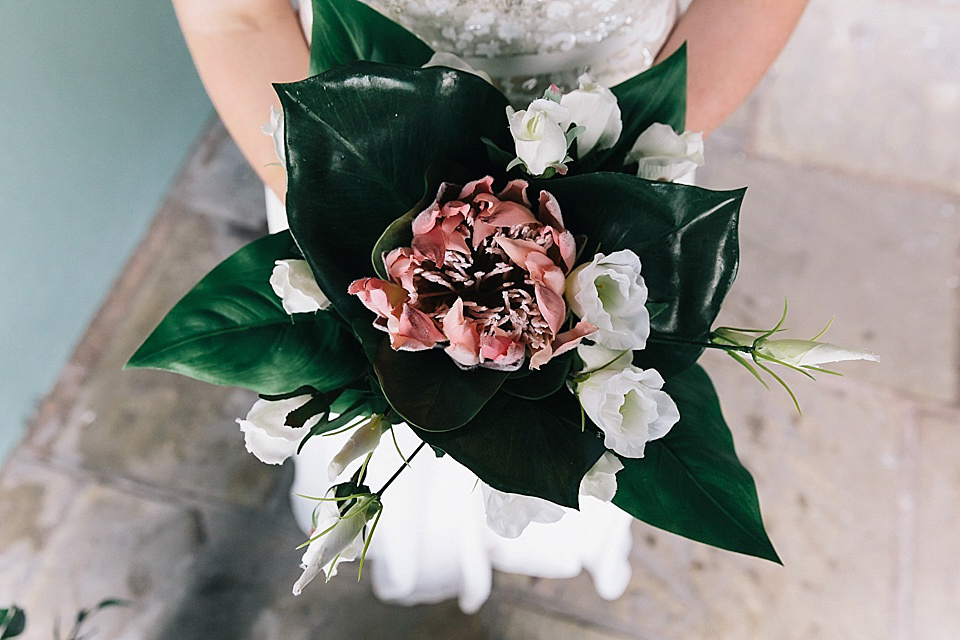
(241, 47)
(730, 46)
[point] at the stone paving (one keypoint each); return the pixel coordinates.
(135, 484)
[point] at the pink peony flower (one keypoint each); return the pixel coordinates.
(483, 278)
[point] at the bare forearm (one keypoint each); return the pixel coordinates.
(240, 47)
(730, 46)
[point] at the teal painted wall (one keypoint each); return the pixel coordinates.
(99, 103)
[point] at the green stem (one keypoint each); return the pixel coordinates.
(705, 345)
(400, 470)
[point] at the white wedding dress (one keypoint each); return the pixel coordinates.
(433, 542)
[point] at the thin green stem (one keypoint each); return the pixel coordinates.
(696, 343)
(400, 470)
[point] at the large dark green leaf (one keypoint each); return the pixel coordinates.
(532, 447)
(13, 622)
(347, 30)
(656, 95)
(360, 139)
(231, 329)
(430, 391)
(686, 238)
(690, 482)
(535, 385)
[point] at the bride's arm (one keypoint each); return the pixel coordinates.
(730, 45)
(240, 47)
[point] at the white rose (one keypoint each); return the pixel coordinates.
(594, 107)
(274, 129)
(808, 353)
(662, 154)
(293, 282)
(342, 543)
(610, 293)
(629, 407)
(443, 59)
(540, 140)
(265, 433)
(601, 481)
(508, 514)
(363, 441)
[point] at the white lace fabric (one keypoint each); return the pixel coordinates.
(526, 45)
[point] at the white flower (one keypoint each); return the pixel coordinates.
(294, 283)
(265, 433)
(662, 154)
(629, 407)
(363, 441)
(808, 353)
(597, 356)
(601, 481)
(610, 293)
(594, 107)
(444, 59)
(540, 140)
(342, 543)
(508, 514)
(274, 129)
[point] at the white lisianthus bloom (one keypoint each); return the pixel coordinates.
(663, 154)
(601, 481)
(808, 353)
(274, 129)
(363, 441)
(508, 514)
(342, 543)
(265, 433)
(597, 356)
(444, 59)
(293, 282)
(540, 140)
(629, 407)
(609, 293)
(595, 108)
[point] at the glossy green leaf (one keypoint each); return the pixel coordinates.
(347, 30)
(360, 139)
(686, 238)
(531, 447)
(690, 482)
(430, 391)
(231, 329)
(13, 622)
(656, 95)
(537, 385)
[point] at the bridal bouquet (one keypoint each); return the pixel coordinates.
(527, 289)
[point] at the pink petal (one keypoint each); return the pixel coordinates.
(543, 270)
(552, 306)
(509, 214)
(427, 219)
(400, 264)
(483, 185)
(432, 245)
(382, 297)
(516, 191)
(567, 246)
(413, 331)
(463, 336)
(481, 231)
(518, 250)
(502, 351)
(561, 344)
(549, 211)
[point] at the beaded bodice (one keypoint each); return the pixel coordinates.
(527, 44)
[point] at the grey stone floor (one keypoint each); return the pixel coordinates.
(135, 484)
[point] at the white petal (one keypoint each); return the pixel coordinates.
(662, 154)
(801, 353)
(508, 514)
(338, 544)
(595, 356)
(601, 481)
(363, 441)
(266, 435)
(294, 284)
(274, 129)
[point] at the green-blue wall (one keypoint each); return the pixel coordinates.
(99, 103)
